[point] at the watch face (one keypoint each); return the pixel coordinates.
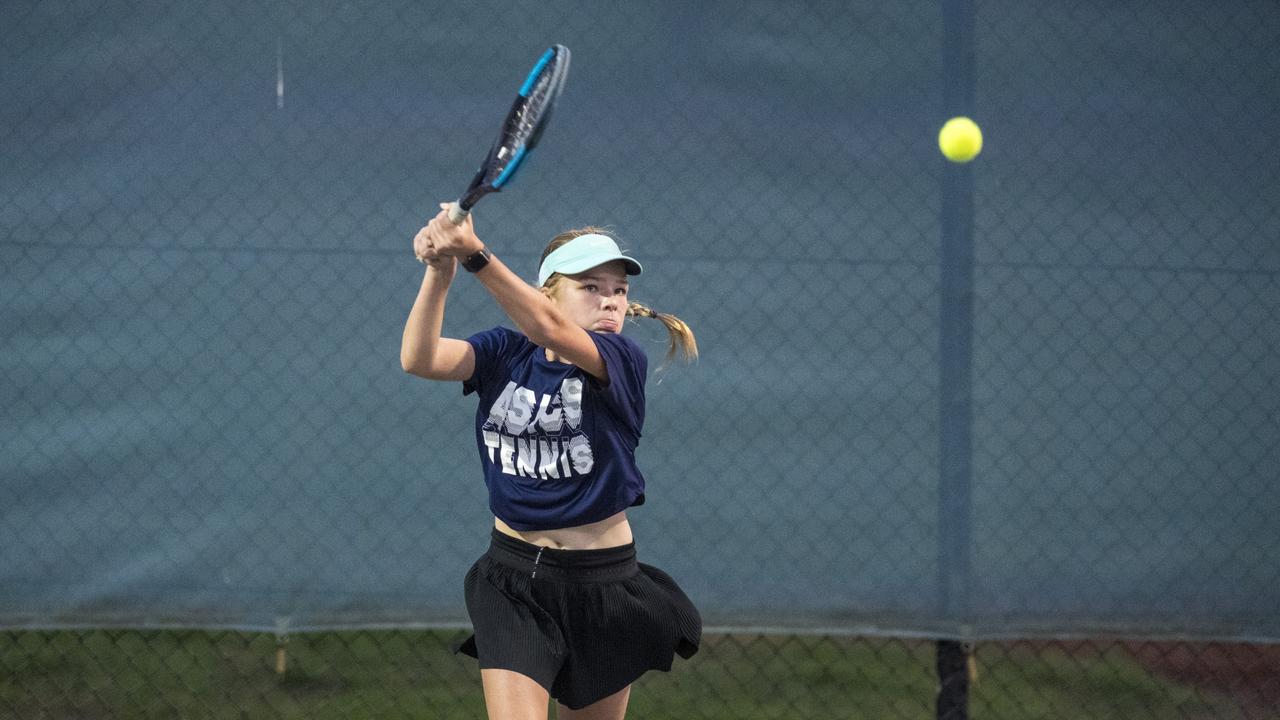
(476, 260)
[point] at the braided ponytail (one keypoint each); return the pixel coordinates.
(680, 333)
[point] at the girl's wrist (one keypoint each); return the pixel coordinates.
(445, 271)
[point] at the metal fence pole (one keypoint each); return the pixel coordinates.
(956, 357)
(953, 677)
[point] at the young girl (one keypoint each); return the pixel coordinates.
(560, 606)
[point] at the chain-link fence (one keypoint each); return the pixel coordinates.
(1015, 403)
(401, 673)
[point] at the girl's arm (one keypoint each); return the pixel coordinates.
(422, 351)
(531, 311)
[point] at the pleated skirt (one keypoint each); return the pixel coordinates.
(583, 624)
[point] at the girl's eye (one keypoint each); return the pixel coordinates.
(590, 288)
(620, 291)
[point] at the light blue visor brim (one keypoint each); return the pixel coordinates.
(583, 253)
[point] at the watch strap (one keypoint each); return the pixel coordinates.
(477, 260)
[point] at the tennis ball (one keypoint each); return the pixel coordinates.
(960, 139)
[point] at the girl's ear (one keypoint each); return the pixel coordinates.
(549, 290)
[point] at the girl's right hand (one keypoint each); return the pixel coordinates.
(446, 238)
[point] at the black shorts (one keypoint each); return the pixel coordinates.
(583, 624)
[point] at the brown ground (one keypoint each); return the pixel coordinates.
(1249, 673)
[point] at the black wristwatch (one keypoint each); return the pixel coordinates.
(477, 260)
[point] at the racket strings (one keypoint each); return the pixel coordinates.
(522, 127)
(531, 111)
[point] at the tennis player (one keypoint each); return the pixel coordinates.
(561, 608)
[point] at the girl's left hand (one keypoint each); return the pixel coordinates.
(445, 238)
(426, 253)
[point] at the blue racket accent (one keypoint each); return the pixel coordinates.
(510, 169)
(521, 130)
(533, 74)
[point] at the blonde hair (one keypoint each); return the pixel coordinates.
(679, 334)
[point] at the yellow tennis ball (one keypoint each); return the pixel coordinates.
(960, 139)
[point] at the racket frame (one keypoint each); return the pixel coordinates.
(480, 185)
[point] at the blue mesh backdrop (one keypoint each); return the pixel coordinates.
(206, 216)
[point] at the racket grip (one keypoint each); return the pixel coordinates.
(457, 214)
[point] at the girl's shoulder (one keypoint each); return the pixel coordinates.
(621, 352)
(621, 342)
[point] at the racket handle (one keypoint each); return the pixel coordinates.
(457, 214)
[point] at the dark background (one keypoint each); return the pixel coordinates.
(204, 284)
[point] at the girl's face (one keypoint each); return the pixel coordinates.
(596, 300)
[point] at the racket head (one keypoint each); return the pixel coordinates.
(523, 126)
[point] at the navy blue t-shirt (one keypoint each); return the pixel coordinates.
(557, 446)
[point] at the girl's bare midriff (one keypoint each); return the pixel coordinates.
(610, 532)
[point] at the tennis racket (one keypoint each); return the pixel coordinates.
(520, 131)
